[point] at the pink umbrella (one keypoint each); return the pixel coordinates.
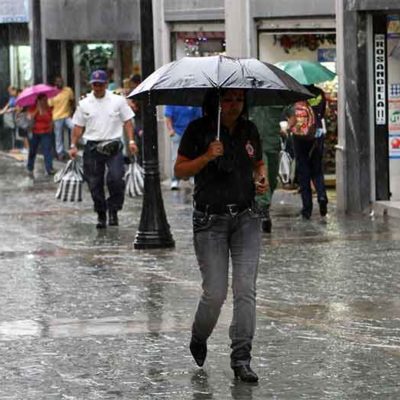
(29, 95)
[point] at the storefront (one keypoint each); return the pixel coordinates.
(310, 39)
(15, 52)
(392, 49)
(78, 39)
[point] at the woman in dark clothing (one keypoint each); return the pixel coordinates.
(309, 156)
(228, 173)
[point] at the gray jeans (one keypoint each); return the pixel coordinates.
(216, 239)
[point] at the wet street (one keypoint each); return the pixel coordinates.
(83, 315)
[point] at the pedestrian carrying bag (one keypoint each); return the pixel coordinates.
(70, 181)
(9, 120)
(305, 126)
(134, 179)
(23, 121)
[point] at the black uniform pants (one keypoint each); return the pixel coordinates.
(94, 169)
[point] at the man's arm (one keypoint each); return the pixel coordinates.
(77, 133)
(129, 130)
(170, 127)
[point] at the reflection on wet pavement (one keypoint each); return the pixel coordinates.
(85, 316)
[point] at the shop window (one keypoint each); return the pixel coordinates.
(197, 44)
(20, 66)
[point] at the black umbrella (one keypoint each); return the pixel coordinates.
(188, 80)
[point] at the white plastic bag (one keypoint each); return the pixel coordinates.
(286, 165)
(70, 180)
(134, 179)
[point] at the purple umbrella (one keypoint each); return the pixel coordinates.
(29, 95)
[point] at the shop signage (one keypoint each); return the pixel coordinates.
(380, 79)
(13, 11)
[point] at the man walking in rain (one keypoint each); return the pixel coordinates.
(101, 118)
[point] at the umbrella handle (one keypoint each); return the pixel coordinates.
(219, 118)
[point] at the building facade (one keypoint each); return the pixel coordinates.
(369, 112)
(359, 39)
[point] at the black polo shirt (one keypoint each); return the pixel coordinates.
(229, 178)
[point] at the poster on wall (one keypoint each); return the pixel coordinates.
(393, 26)
(394, 128)
(394, 146)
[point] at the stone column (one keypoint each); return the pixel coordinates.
(238, 28)
(353, 175)
(35, 33)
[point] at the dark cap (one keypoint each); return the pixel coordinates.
(136, 78)
(98, 76)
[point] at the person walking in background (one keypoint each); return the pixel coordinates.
(101, 118)
(8, 113)
(226, 223)
(134, 82)
(62, 110)
(42, 134)
(177, 118)
(309, 149)
(267, 121)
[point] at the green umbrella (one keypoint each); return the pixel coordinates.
(306, 72)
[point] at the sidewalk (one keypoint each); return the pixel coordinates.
(85, 316)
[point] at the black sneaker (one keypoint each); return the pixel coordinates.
(245, 373)
(266, 225)
(51, 172)
(101, 220)
(323, 208)
(112, 218)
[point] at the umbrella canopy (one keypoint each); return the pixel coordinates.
(29, 95)
(186, 82)
(306, 72)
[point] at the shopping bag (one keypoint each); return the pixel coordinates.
(9, 120)
(286, 165)
(23, 121)
(134, 179)
(70, 182)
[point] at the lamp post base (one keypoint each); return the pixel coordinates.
(153, 231)
(153, 240)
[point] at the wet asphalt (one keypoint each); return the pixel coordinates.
(83, 315)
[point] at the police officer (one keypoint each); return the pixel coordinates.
(101, 118)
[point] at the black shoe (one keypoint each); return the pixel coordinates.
(199, 351)
(245, 373)
(323, 208)
(112, 218)
(101, 220)
(51, 172)
(266, 225)
(305, 215)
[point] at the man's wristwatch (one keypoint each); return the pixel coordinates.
(132, 142)
(73, 146)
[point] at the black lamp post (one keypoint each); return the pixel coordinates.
(153, 229)
(35, 31)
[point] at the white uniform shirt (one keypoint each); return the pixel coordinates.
(102, 118)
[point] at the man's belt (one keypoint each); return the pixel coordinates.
(223, 209)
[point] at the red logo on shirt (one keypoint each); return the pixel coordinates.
(250, 149)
